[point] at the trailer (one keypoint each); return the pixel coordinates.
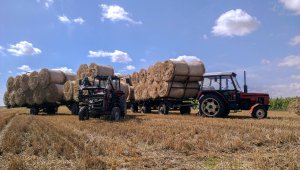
(51, 108)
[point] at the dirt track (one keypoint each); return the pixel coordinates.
(148, 141)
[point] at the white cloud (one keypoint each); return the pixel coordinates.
(293, 5)
(47, 3)
(23, 48)
(10, 72)
(186, 58)
(64, 19)
(235, 23)
(2, 51)
(143, 60)
(285, 90)
(116, 56)
(204, 36)
(295, 41)
(290, 61)
(25, 68)
(265, 61)
(64, 69)
(116, 13)
(130, 67)
(295, 77)
(79, 20)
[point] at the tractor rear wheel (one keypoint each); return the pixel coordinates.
(259, 112)
(163, 109)
(51, 110)
(211, 106)
(74, 109)
(185, 110)
(34, 111)
(115, 114)
(83, 113)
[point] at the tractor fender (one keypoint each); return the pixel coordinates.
(200, 95)
(254, 106)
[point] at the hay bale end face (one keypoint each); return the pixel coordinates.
(68, 90)
(10, 84)
(47, 77)
(97, 69)
(294, 106)
(33, 80)
(24, 82)
(82, 70)
(6, 98)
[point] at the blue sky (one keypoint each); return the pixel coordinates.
(261, 37)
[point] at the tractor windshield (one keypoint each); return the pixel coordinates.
(238, 88)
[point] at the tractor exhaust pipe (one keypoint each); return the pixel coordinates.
(245, 83)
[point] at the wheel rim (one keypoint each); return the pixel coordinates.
(210, 107)
(117, 115)
(161, 110)
(260, 113)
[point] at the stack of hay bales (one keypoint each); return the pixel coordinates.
(70, 88)
(294, 106)
(169, 79)
(36, 88)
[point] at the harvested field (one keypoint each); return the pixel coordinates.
(148, 141)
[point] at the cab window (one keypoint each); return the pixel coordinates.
(211, 83)
(226, 83)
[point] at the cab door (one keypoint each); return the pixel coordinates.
(229, 91)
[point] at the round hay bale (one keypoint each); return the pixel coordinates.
(47, 77)
(24, 83)
(137, 92)
(54, 93)
(153, 90)
(145, 91)
(175, 70)
(70, 76)
(165, 90)
(10, 84)
(6, 98)
(150, 74)
(196, 68)
(131, 93)
(143, 76)
(20, 97)
(33, 80)
(158, 74)
(29, 97)
(82, 70)
(39, 95)
(11, 98)
(17, 82)
(294, 106)
(68, 90)
(125, 89)
(97, 69)
(192, 90)
(135, 78)
(75, 90)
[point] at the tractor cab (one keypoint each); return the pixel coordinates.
(225, 87)
(101, 96)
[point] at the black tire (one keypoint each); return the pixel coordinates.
(146, 109)
(83, 113)
(185, 110)
(211, 106)
(115, 114)
(259, 112)
(74, 109)
(163, 109)
(34, 111)
(51, 110)
(122, 104)
(134, 108)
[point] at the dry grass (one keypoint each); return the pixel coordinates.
(149, 141)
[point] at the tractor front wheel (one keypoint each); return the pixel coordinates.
(34, 111)
(259, 112)
(115, 114)
(83, 113)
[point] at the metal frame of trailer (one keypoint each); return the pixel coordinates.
(163, 105)
(51, 108)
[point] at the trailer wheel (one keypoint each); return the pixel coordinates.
(115, 114)
(185, 110)
(51, 110)
(83, 113)
(134, 108)
(259, 112)
(34, 111)
(146, 109)
(163, 109)
(74, 109)
(211, 106)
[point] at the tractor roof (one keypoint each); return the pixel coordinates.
(219, 74)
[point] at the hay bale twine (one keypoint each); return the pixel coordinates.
(135, 78)
(17, 82)
(33, 80)
(192, 90)
(39, 95)
(173, 67)
(10, 84)
(196, 68)
(158, 74)
(54, 93)
(294, 106)
(24, 83)
(6, 99)
(47, 77)
(125, 89)
(82, 70)
(97, 69)
(130, 93)
(20, 97)
(165, 90)
(11, 98)
(75, 90)
(143, 76)
(68, 90)
(29, 97)
(153, 90)
(70, 76)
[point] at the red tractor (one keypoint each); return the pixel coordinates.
(220, 93)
